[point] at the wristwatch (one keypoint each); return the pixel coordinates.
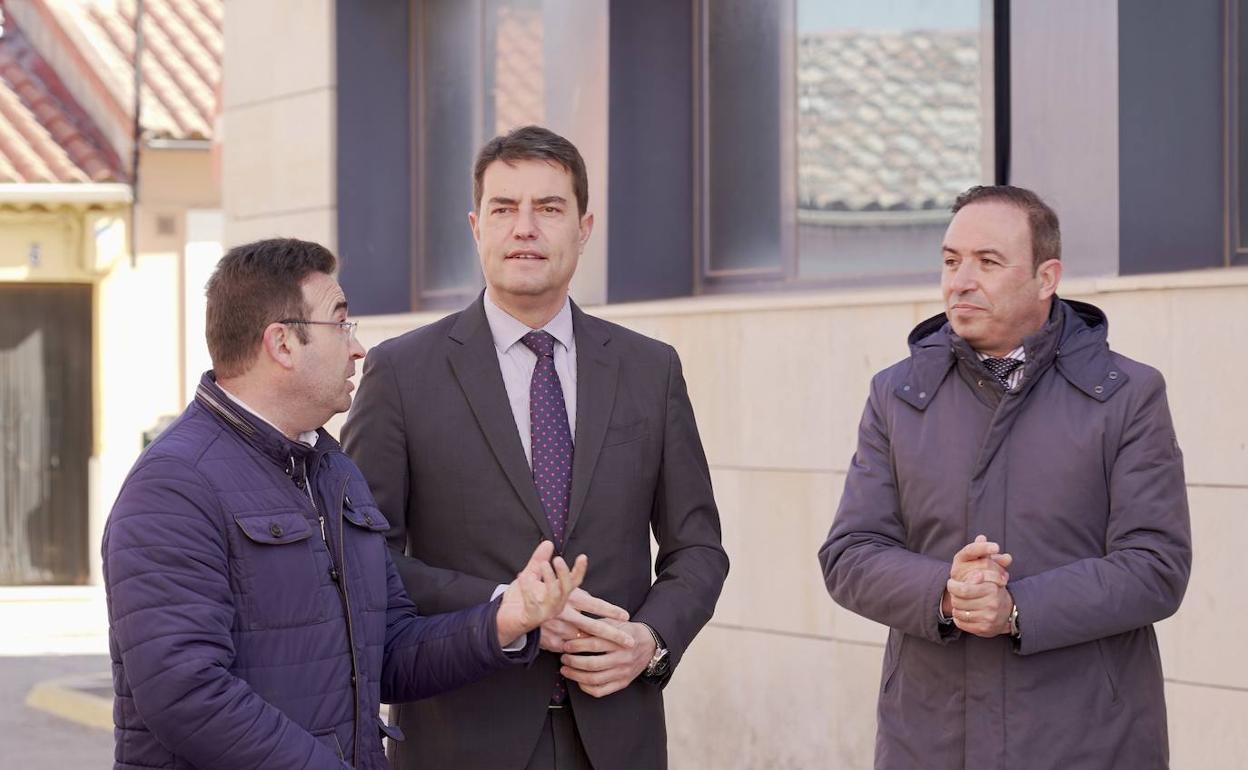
(1015, 632)
(658, 662)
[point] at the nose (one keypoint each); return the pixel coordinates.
(526, 224)
(357, 350)
(965, 278)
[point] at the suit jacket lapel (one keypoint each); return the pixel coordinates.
(597, 372)
(475, 364)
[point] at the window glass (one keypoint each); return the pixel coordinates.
(890, 123)
(742, 130)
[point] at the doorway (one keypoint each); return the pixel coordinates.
(45, 432)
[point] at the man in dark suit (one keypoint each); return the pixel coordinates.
(521, 418)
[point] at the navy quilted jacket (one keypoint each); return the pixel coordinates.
(255, 617)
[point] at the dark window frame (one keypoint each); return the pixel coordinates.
(1233, 235)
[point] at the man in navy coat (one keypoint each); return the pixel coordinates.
(255, 617)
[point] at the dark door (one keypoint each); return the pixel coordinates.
(45, 432)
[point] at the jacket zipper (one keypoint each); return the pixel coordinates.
(339, 576)
(355, 668)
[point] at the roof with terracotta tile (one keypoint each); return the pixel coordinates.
(181, 58)
(44, 136)
(887, 121)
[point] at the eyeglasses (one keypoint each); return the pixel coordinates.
(347, 327)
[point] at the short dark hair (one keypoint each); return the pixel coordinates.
(533, 143)
(254, 285)
(1046, 233)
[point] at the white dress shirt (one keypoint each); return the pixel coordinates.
(517, 362)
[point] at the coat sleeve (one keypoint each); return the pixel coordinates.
(1143, 574)
(691, 564)
(866, 565)
(171, 609)
(427, 655)
(374, 436)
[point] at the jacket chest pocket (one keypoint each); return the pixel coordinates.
(277, 571)
(363, 531)
(621, 459)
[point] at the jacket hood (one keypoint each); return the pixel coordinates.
(1076, 335)
(937, 332)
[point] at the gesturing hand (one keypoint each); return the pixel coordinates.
(573, 623)
(615, 666)
(538, 593)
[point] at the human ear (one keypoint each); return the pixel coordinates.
(277, 343)
(1050, 273)
(586, 227)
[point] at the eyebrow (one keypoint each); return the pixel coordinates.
(549, 199)
(341, 306)
(977, 252)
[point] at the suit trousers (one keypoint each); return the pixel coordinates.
(559, 747)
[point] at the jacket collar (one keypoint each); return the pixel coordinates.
(1074, 340)
(260, 435)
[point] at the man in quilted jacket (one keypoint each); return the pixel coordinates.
(255, 617)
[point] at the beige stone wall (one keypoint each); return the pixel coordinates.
(782, 677)
(278, 121)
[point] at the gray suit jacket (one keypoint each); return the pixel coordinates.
(433, 432)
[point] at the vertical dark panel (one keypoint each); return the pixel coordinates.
(1170, 119)
(374, 163)
(45, 433)
(650, 160)
(1001, 89)
(1236, 105)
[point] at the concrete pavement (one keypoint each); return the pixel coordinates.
(55, 681)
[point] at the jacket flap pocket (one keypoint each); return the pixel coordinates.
(276, 528)
(622, 434)
(330, 739)
(364, 516)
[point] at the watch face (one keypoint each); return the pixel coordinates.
(658, 664)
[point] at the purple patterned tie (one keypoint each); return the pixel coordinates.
(551, 440)
(551, 446)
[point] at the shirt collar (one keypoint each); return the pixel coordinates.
(307, 437)
(1018, 354)
(507, 329)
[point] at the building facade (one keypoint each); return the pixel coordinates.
(108, 222)
(770, 180)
